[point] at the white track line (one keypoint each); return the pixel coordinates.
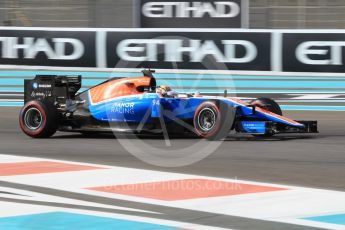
(33, 196)
(287, 206)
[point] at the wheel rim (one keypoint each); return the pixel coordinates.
(33, 119)
(206, 119)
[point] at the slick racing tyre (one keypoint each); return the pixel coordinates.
(38, 119)
(269, 105)
(212, 121)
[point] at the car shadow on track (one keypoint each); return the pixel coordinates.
(117, 136)
(270, 139)
(176, 137)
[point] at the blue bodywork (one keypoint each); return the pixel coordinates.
(147, 106)
(257, 127)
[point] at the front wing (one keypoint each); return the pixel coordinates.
(270, 127)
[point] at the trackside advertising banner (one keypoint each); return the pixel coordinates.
(47, 48)
(234, 50)
(189, 50)
(191, 14)
(314, 52)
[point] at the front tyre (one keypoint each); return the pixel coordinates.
(267, 104)
(213, 121)
(38, 119)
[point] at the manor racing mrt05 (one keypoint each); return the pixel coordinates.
(137, 105)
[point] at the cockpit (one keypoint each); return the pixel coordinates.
(164, 90)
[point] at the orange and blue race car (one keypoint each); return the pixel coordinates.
(138, 105)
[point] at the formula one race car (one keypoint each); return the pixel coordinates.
(137, 105)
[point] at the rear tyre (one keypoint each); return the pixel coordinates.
(212, 121)
(269, 105)
(38, 119)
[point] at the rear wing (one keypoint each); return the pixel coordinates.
(52, 87)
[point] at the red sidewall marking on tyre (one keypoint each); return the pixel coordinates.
(217, 124)
(32, 104)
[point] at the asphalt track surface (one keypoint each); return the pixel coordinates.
(316, 161)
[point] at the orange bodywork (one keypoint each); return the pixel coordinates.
(118, 88)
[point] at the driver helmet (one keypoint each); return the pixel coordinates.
(163, 89)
